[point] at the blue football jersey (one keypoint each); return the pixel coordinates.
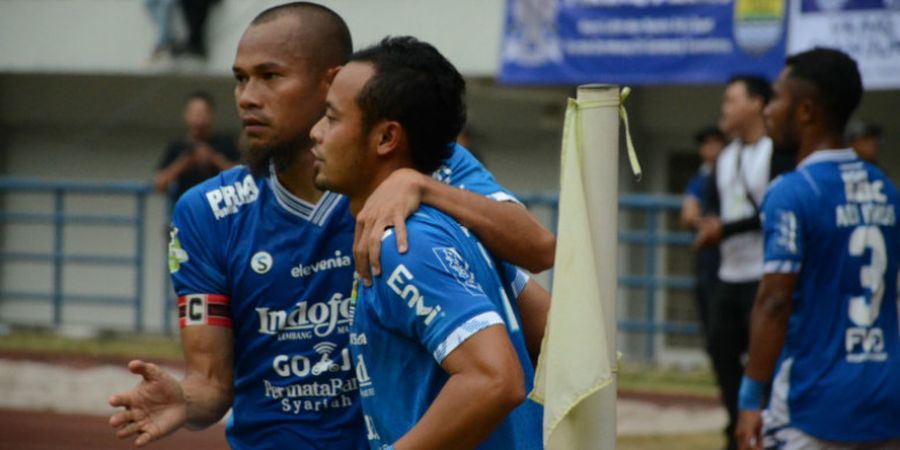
(833, 223)
(283, 269)
(425, 304)
(245, 253)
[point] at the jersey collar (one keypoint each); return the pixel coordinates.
(316, 213)
(838, 155)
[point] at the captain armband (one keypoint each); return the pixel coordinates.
(204, 309)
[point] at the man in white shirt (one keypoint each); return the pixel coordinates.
(742, 174)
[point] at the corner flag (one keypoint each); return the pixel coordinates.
(575, 377)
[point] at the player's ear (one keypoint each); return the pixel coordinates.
(806, 111)
(390, 137)
(330, 74)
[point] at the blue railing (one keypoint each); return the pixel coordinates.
(648, 207)
(645, 207)
(58, 258)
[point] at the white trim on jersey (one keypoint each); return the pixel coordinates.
(504, 197)
(518, 285)
(465, 331)
(303, 209)
(837, 155)
(779, 266)
(777, 415)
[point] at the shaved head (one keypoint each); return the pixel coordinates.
(321, 35)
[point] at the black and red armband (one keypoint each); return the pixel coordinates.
(204, 309)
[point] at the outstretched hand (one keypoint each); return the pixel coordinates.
(390, 204)
(155, 408)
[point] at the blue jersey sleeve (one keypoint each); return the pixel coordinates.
(194, 248)
(696, 186)
(465, 171)
(783, 228)
(430, 293)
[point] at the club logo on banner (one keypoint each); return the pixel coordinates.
(641, 41)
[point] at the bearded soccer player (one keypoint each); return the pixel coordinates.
(439, 357)
(262, 260)
(825, 317)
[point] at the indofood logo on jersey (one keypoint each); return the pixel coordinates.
(307, 320)
(337, 261)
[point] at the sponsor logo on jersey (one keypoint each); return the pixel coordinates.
(261, 262)
(228, 199)
(400, 282)
(307, 320)
(337, 261)
(177, 255)
(456, 266)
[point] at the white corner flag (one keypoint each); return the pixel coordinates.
(575, 378)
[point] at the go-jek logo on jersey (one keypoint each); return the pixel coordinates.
(337, 261)
(305, 320)
(227, 199)
(399, 282)
(455, 265)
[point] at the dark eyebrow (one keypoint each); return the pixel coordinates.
(263, 67)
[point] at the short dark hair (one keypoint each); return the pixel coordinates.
(709, 132)
(757, 86)
(835, 78)
(204, 96)
(334, 44)
(416, 86)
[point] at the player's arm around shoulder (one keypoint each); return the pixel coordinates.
(464, 333)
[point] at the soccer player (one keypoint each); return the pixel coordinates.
(438, 355)
(825, 317)
(262, 262)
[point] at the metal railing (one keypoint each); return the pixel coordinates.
(645, 208)
(58, 258)
(653, 239)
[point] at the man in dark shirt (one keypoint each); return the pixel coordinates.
(197, 155)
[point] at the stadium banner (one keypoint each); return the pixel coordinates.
(868, 30)
(641, 41)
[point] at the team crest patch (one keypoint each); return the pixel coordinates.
(177, 255)
(455, 265)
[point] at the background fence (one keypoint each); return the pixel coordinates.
(40, 222)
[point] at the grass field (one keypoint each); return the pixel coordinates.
(637, 378)
(632, 377)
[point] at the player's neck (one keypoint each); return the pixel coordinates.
(753, 132)
(298, 178)
(816, 140)
(385, 169)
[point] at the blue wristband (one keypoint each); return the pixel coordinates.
(751, 393)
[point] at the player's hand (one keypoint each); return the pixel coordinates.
(709, 232)
(155, 407)
(389, 205)
(749, 430)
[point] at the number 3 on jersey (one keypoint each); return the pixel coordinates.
(871, 277)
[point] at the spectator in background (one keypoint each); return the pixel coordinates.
(199, 154)
(742, 175)
(161, 13)
(710, 142)
(865, 138)
(195, 14)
